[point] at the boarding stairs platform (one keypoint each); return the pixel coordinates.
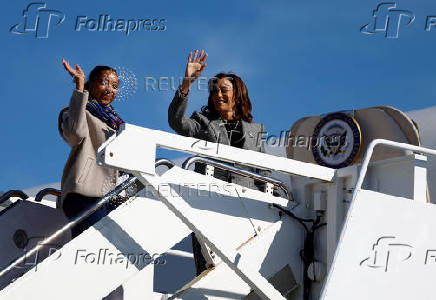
(316, 240)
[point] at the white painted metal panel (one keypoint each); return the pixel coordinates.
(387, 250)
(257, 206)
(142, 143)
(218, 236)
(96, 261)
(140, 286)
(35, 221)
(261, 253)
(212, 202)
(244, 210)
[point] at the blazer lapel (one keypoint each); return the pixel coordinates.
(219, 131)
(249, 134)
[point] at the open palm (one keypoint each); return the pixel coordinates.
(195, 65)
(77, 74)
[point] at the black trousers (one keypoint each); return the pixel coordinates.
(75, 204)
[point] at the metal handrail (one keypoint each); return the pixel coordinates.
(246, 173)
(123, 186)
(164, 162)
(358, 186)
(13, 193)
(131, 181)
(391, 144)
(47, 191)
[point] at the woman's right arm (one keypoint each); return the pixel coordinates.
(177, 118)
(73, 125)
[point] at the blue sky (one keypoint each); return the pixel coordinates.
(298, 58)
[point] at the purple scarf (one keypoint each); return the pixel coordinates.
(105, 113)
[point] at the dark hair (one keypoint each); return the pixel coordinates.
(95, 73)
(240, 92)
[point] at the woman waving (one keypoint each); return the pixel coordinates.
(85, 124)
(225, 119)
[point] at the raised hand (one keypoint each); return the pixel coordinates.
(194, 68)
(77, 74)
(195, 65)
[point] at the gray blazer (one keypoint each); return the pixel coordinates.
(201, 127)
(84, 133)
